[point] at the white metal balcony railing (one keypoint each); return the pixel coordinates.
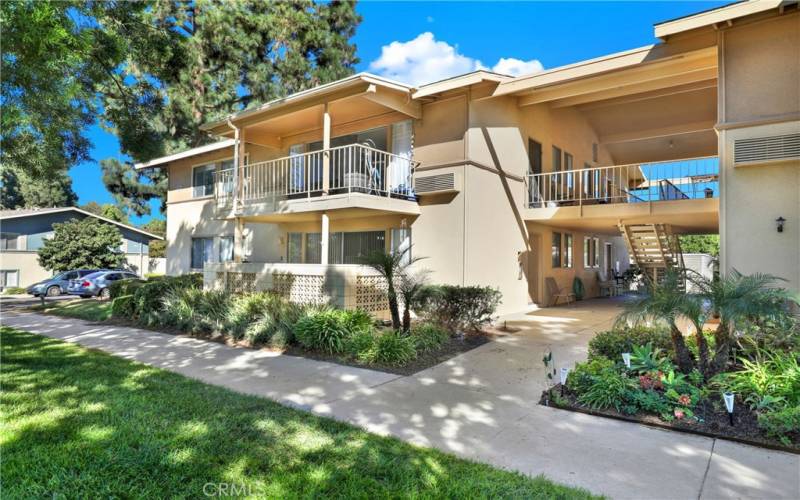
(354, 168)
(641, 182)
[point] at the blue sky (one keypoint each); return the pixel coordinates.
(425, 41)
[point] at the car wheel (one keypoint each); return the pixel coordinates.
(105, 294)
(53, 291)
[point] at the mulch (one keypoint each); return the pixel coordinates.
(714, 421)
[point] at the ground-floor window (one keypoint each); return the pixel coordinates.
(591, 252)
(9, 278)
(226, 248)
(401, 242)
(567, 250)
(555, 250)
(350, 248)
(202, 251)
(294, 248)
(313, 248)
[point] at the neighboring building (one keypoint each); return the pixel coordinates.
(23, 231)
(501, 181)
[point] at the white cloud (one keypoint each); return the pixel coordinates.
(425, 59)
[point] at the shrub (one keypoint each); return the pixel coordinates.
(275, 325)
(580, 378)
(122, 307)
(124, 287)
(773, 375)
(607, 388)
(149, 296)
(178, 310)
(429, 337)
(212, 307)
(245, 310)
(392, 348)
(613, 343)
(357, 320)
(458, 307)
(780, 423)
(324, 330)
(361, 345)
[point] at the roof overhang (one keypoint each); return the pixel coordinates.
(722, 15)
(468, 79)
(387, 92)
(164, 160)
(46, 211)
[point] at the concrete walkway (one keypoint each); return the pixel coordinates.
(481, 405)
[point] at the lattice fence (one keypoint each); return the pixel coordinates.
(371, 294)
(300, 288)
(237, 282)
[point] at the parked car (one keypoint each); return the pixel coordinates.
(58, 284)
(96, 284)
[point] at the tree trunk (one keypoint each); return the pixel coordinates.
(702, 348)
(682, 354)
(406, 319)
(723, 351)
(394, 309)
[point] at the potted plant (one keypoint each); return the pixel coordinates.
(577, 288)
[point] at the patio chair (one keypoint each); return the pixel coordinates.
(556, 292)
(607, 286)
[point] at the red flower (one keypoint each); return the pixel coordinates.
(685, 400)
(678, 413)
(646, 382)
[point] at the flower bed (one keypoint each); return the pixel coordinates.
(178, 305)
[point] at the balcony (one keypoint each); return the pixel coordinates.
(682, 192)
(357, 176)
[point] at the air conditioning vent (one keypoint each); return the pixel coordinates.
(765, 149)
(435, 183)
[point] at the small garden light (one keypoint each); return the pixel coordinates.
(564, 373)
(728, 398)
(626, 358)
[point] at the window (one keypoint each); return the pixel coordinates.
(591, 252)
(567, 161)
(534, 157)
(70, 276)
(135, 247)
(313, 248)
(226, 248)
(567, 250)
(570, 181)
(202, 251)
(36, 241)
(294, 248)
(9, 279)
(401, 242)
(556, 250)
(203, 180)
(349, 248)
(556, 159)
(8, 241)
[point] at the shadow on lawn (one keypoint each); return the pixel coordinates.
(82, 423)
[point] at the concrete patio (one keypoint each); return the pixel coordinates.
(480, 405)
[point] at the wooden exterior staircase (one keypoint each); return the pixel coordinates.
(654, 249)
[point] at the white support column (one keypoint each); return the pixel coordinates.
(324, 239)
(238, 240)
(326, 145)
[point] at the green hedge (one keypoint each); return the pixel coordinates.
(458, 307)
(122, 307)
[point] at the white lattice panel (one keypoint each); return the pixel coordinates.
(239, 282)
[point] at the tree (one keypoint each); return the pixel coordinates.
(82, 243)
(158, 248)
(410, 286)
(738, 299)
(21, 190)
(107, 210)
(391, 266)
(189, 63)
(666, 302)
(700, 243)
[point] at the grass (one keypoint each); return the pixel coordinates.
(79, 423)
(88, 309)
(13, 290)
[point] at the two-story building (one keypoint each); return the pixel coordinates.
(509, 182)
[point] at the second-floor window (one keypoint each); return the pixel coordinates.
(203, 180)
(8, 241)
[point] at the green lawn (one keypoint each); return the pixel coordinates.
(88, 309)
(78, 423)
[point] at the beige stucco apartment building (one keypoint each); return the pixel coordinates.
(508, 182)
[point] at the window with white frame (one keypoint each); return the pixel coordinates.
(591, 252)
(401, 242)
(226, 248)
(202, 252)
(567, 262)
(555, 250)
(203, 180)
(9, 278)
(351, 247)
(294, 248)
(313, 248)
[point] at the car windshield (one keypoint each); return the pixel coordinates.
(94, 275)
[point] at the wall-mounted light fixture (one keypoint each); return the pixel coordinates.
(779, 222)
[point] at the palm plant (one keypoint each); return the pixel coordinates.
(739, 299)
(409, 287)
(666, 302)
(391, 265)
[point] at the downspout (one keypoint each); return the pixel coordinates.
(235, 165)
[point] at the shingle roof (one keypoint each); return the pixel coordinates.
(27, 212)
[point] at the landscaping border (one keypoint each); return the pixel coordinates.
(615, 416)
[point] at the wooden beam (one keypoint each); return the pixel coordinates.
(394, 100)
(263, 139)
(642, 96)
(642, 78)
(653, 133)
